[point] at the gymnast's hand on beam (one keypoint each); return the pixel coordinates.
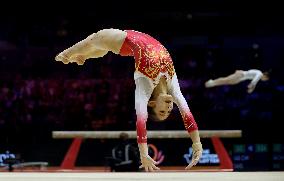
(196, 154)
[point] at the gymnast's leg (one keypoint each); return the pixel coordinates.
(94, 46)
(232, 79)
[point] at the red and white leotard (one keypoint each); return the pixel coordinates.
(152, 61)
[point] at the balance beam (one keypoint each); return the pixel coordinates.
(78, 136)
(164, 134)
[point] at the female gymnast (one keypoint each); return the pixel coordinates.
(155, 78)
(239, 76)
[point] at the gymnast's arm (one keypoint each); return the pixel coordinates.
(257, 76)
(188, 119)
(143, 93)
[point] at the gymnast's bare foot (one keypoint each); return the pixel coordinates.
(79, 59)
(62, 58)
(209, 83)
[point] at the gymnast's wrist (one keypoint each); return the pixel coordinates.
(143, 149)
(197, 146)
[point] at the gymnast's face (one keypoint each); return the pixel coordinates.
(265, 77)
(162, 106)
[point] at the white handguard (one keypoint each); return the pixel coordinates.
(147, 162)
(196, 154)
